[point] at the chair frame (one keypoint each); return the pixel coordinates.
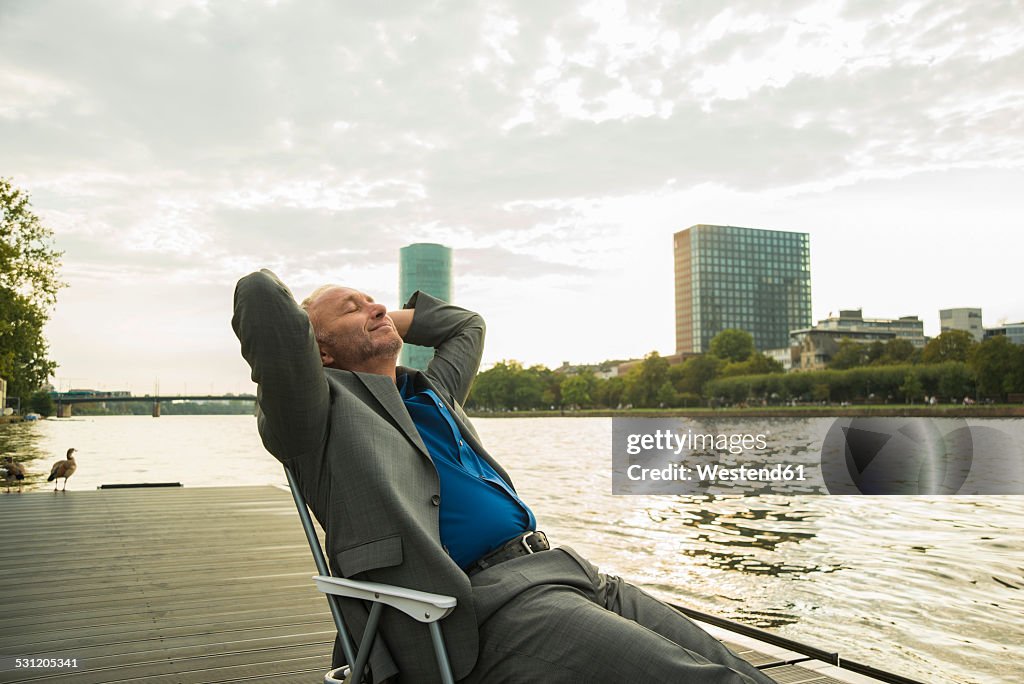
(420, 605)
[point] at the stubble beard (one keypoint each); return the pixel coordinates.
(386, 349)
(369, 350)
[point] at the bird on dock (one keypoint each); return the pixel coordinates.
(14, 471)
(65, 469)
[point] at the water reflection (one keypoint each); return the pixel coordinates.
(729, 532)
(20, 440)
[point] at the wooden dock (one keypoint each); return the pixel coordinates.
(161, 585)
(181, 585)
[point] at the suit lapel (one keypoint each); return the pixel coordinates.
(385, 391)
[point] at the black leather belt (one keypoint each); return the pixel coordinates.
(523, 545)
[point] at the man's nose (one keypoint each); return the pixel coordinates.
(377, 310)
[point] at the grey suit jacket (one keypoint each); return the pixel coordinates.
(361, 463)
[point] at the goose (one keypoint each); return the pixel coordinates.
(14, 471)
(65, 469)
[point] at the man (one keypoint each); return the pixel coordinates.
(407, 495)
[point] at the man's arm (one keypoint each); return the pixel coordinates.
(402, 320)
(457, 336)
(278, 343)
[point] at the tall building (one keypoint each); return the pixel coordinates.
(747, 278)
(423, 266)
(968, 320)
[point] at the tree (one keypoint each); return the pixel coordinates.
(898, 351)
(996, 363)
(42, 403)
(691, 377)
(952, 345)
(756, 364)
(874, 351)
(954, 380)
(28, 290)
(849, 355)
(732, 345)
(576, 391)
(644, 381)
(911, 387)
(667, 395)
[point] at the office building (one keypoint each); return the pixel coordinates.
(968, 320)
(851, 323)
(746, 278)
(819, 344)
(1013, 331)
(423, 266)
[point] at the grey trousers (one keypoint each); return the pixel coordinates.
(552, 617)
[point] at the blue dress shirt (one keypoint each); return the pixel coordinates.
(479, 510)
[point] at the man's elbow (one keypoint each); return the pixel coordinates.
(476, 326)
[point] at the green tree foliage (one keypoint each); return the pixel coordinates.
(643, 382)
(952, 345)
(28, 290)
(849, 355)
(576, 390)
(897, 351)
(911, 387)
(879, 384)
(894, 352)
(874, 351)
(509, 386)
(609, 393)
(998, 366)
(756, 364)
(42, 403)
(692, 375)
(732, 345)
(667, 396)
(954, 381)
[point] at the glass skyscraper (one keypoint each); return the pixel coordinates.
(423, 266)
(746, 278)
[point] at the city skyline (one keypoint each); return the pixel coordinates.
(175, 146)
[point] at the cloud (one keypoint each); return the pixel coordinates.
(181, 140)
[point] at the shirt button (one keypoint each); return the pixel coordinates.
(461, 443)
(436, 500)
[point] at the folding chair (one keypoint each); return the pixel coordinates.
(419, 605)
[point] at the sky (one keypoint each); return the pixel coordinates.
(174, 146)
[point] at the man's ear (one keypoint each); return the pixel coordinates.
(325, 358)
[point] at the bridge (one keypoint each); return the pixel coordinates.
(64, 402)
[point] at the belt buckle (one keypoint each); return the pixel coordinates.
(526, 544)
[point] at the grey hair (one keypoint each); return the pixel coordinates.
(318, 331)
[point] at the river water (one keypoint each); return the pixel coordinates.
(931, 587)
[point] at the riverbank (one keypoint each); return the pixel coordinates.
(990, 411)
(10, 419)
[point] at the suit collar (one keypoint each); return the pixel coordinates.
(385, 391)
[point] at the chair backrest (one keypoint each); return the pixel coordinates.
(321, 565)
(422, 606)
